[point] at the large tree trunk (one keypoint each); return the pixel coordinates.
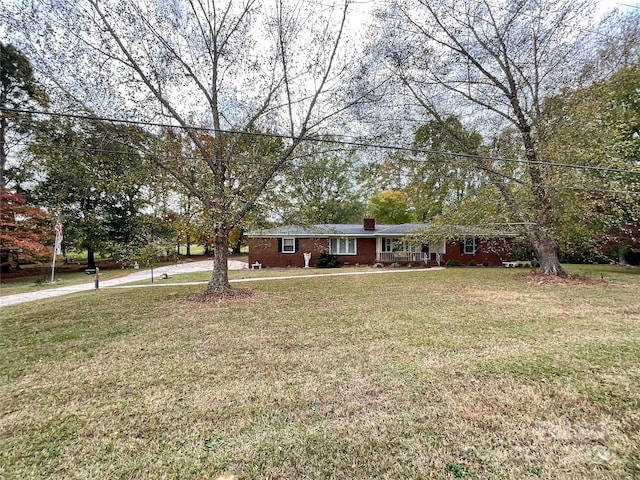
(544, 239)
(3, 151)
(236, 248)
(91, 260)
(219, 282)
(547, 252)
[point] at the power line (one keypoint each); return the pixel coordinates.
(327, 139)
(299, 166)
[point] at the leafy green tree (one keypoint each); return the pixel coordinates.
(318, 188)
(437, 180)
(152, 243)
(390, 207)
(599, 126)
(93, 180)
(18, 89)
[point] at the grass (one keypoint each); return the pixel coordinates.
(43, 282)
(462, 373)
(237, 275)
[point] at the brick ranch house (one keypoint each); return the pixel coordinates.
(368, 243)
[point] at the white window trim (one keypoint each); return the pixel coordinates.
(292, 246)
(472, 242)
(398, 245)
(386, 245)
(349, 239)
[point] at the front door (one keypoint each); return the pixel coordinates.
(426, 254)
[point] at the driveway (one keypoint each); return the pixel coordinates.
(185, 267)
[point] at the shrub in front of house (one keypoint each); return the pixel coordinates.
(452, 263)
(377, 265)
(472, 263)
(327, 260)
(395, 265)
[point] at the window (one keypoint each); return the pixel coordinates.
(342, 246)
(470, 246)
(397, 245)
(288, 245)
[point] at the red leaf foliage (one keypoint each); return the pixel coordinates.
(25, 231)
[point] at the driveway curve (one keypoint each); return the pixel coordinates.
(185, 267)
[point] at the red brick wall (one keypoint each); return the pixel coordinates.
(265, 251)
(495, 251)
(366, 248)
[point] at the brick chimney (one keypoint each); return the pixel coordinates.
(369, 223)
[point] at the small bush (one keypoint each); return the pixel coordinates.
(377, 265)
(486, 263)
(452, 263)
(327, 260)
(472, 263)
(395, 265)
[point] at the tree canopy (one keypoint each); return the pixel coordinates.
(390, 207)
(219, 67)
(18, 88)
(318, 187)
(92, 179)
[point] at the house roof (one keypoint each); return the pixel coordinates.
(335, 230)
(357, 230)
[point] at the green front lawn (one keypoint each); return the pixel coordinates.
(461, 373)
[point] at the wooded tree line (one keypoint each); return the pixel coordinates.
(193, 122)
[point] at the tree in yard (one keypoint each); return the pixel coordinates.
(18, 89)
(495, 63)
(599, 125)
(318, 187)
(88, 174)
(436, 180)
(224, 67)
(24, 231)
(390, 207)
(153, 242)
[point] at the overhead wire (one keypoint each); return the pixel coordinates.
(299, 166)
(330, 139)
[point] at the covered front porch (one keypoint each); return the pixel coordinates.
(398, 250)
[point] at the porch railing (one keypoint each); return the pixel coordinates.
(401, 257)
(409, 257)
